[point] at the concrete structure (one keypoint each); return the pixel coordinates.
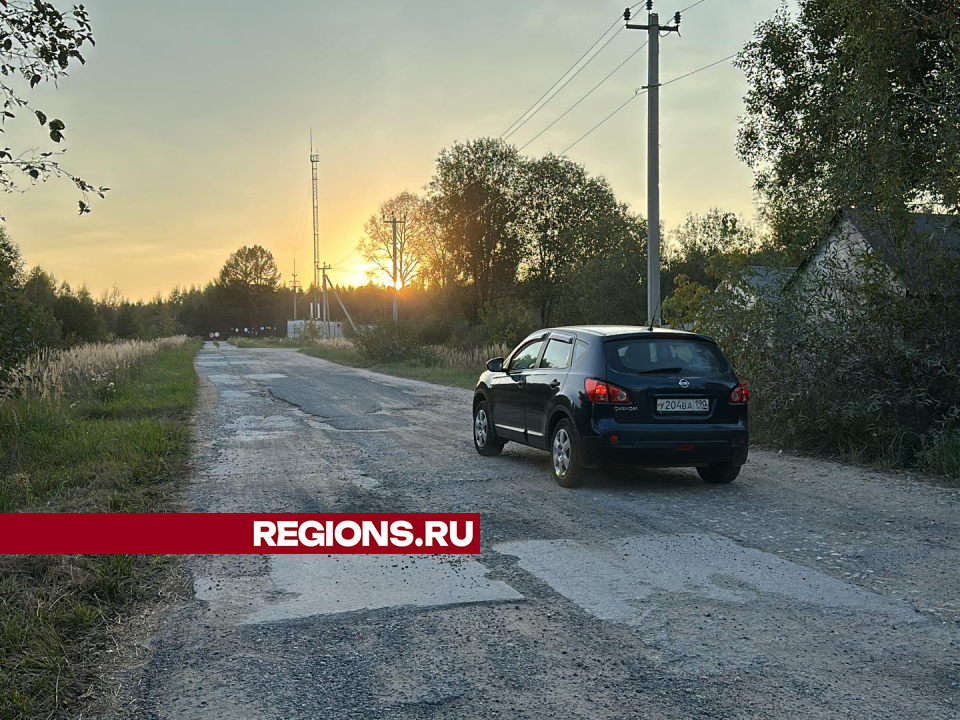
(297, 328)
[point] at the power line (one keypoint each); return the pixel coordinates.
(689, 7)
(595, 127)
(346, 257)
(511, 129)
(579, 70)
(634, 97)
(597, 42)
(590, 92)
(705, 67)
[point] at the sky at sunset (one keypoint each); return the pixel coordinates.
(197, 115)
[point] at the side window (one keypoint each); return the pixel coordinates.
(526, 357)
(557, 354)
(580, 350)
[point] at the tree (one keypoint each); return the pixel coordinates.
(565, 218)
(77, 312)
(852, 104)
(702, 237)
(24, 328)
(38, 43)
(473, 197)
(413, 238)
(609, 288)
(248, 279)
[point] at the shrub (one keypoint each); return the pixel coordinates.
(387, 342)
(848, 363)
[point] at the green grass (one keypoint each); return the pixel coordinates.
(119, 454)
(339, 355)
(439, 374)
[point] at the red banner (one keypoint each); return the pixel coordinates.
(239, 533)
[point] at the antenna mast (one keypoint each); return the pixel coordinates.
(314, 160)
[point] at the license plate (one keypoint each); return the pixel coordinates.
(685, 405)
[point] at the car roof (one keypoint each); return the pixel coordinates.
(618, 330)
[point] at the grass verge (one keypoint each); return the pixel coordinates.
(442, 375)
(118, 453)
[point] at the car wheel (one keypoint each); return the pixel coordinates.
(483, 438)
(565, 458)
(719, 473)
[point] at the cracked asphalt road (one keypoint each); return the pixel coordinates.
(806, 588)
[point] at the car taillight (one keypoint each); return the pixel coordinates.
(599, 391)
(740, 395)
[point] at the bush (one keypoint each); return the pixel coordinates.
(388, 342)
(849, 364)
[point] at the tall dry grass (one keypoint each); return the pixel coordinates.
(93, 369)
(469, 358)
(336, 343)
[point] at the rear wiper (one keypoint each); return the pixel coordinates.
(658, 371)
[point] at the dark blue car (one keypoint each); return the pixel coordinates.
(615, 394)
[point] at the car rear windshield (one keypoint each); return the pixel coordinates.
(681, 356)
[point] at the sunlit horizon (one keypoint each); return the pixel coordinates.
(209, 150)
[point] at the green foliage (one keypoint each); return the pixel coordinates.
(566, 218)
(848, 364)
(119, 453)
(473, 197)
(247, 279)
(39, 44)
(852, 104)
(503, 322)
(24, 328)
(388, 342)
(683, 307)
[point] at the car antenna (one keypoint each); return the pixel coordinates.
(654, 314)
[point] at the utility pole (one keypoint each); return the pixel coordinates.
(344, 308)
(653, 28)
(294, 285)
(326, 307)
(314, 160)
(396, 292)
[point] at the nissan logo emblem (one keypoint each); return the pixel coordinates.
(684, 383)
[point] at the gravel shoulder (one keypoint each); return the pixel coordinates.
(804, 588)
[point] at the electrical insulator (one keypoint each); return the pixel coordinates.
(676, 18)
(626, 14)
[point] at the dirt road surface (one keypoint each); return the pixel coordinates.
(803, 589)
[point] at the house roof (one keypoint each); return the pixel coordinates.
(938, 233)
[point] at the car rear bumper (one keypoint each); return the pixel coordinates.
(667, 445)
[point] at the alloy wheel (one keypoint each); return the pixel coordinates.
(481, 428)
(561, 452)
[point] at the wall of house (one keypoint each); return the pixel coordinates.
(842, 249)
(841, 254)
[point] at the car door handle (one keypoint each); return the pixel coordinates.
(555, 384)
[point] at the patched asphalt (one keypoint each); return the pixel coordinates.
(806, 588)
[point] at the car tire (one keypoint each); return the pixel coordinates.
(565, 456)
(484, 440)
(719, 473)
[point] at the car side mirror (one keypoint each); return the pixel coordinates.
(495, 365)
